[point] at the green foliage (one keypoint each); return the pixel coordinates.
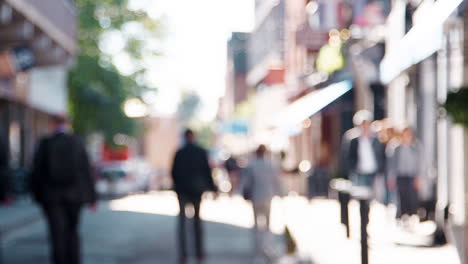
(95, 101)
(97, 89)
(457, 106)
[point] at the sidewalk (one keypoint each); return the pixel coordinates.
(141, 229)
(16, 216)
(228, 223)
(320, 235)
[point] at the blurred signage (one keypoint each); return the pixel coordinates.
(23, 57)
(115, 153)
(275, 76)
(235, 127)
(425, 38)
(47, 89)
(15, 60)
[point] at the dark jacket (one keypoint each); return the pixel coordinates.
(4, 170)
(350, 157)
(44, 191)
(191, 171)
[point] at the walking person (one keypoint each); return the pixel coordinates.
(363, 155)
(263, 183)
(191, 174)
(233, 170)
(319, 179)
(406, 168)
(61, 182)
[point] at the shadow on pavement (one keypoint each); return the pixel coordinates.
(118, 237)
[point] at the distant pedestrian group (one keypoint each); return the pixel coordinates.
(398, 159)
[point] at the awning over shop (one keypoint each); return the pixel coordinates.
(311, 104)
(422, 40)
(56, 18)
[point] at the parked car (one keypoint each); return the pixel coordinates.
(116, 178)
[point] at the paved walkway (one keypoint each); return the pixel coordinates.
(140, 229)
(321, 236)
(15, 217)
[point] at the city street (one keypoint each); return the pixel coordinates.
(116, 103)
(141, 229)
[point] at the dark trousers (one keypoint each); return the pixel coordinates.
(63, 223)
(408, 195)
(185, 200)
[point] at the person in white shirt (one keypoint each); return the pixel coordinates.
(363, 155)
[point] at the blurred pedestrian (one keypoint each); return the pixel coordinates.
(263, 183)
(386, 134)
(4, 172)
(289, 174)
(319, 179)
(406, 167)
(61, 182)
(362, 153)
(191, 173)
(233, 169)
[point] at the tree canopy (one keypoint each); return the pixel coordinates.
(109, 30)
(457, 107)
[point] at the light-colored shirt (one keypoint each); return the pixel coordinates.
(407, 163)
(367, 162)
(263, 176)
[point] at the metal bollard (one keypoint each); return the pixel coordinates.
(344, 198)
(364, 195)
(344, 188)
(364, 210)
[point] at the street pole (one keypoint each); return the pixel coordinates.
(344, 198)
(364, 210)
(363, 195)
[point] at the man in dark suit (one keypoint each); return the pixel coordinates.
(191, 174)
(363, 156)
(61, 182)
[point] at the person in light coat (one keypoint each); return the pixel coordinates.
(262, 180)
(407, 167)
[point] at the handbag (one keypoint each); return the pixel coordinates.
(247, 184)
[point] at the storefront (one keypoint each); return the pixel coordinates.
(37, 44)
(419, 69)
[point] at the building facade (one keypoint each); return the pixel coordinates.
(422, 64)
(37, 44)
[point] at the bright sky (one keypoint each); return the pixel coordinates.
(194, 49)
